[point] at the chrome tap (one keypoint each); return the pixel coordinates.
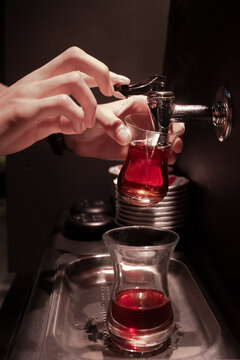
(162, 105)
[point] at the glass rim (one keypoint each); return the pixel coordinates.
(147, 130)
(107, 237)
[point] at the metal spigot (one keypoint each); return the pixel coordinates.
(162, 105)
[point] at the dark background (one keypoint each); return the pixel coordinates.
(39, 184)
(202, 53)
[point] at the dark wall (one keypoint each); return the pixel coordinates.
(129, 36)
(203, 53)
(1, 41)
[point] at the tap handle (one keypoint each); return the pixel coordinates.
(153, 83)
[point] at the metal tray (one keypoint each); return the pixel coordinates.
(77, 313)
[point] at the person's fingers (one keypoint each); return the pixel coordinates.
(176, 130)
(112, 119)
(119, 79)
(103, 148)
(52, 125)
(75, 58)
(114, 127)
(137, 107)
(115, 79)
(134, 104)
(70, 84)
(172, 158)
(56, 106)
(177, 146)
(177, 127)
(31, 120)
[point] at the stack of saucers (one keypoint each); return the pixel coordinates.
(170, 213)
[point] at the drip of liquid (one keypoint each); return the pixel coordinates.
(144, 174)
(138, 309)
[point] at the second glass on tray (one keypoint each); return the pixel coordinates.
(143, 179)
(140, 315)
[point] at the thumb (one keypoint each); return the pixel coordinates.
(114, 127)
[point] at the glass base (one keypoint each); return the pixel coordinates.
(140, 201)
(139, 340)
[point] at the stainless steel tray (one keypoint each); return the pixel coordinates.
(77, 313)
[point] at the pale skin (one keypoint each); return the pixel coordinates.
(109, 139)
(40, 104)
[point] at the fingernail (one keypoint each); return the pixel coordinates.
(123, 79)
(81, 128)
(110, 89)
(118, 95)
(124, 136)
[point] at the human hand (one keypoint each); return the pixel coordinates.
(39, 104)
(109, 137)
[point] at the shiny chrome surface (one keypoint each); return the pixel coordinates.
(164, 110)
(222, 114)
(162, 105)
(186, 113)
(219, 114)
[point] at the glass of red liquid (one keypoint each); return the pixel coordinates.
(143, 179)
(140, 315)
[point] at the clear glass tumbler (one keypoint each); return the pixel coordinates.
(143, 179)
(140, 315)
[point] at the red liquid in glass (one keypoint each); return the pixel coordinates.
(138, 309)
(144, 174)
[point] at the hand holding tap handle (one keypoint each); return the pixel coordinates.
(163, 109)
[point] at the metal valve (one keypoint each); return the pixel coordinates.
(164, 110)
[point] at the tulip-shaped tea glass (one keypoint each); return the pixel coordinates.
(140, 315)
(143, 179)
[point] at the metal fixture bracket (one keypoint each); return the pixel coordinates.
(222, 114)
